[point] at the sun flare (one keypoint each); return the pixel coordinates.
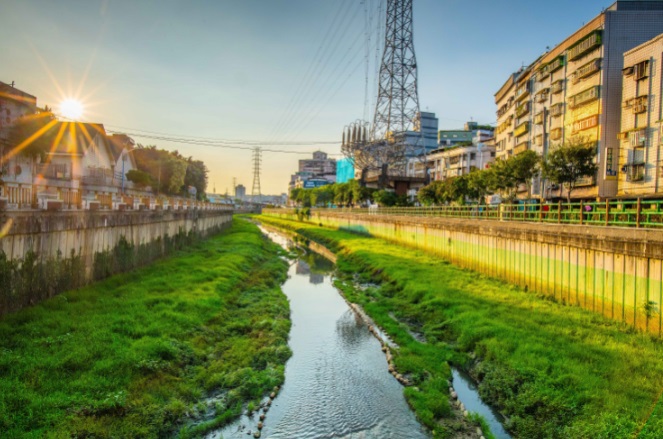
(71, 109)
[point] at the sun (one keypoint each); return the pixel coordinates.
(71, 109)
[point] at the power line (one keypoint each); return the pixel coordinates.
(192, 141)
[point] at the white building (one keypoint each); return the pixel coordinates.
(641, 136)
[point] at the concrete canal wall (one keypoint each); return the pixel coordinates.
(617, 272)
(89, 232)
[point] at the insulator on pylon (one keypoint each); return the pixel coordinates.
(354, 134)
(363, 134)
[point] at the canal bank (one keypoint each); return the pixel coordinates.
(554, 371)
(185, 342)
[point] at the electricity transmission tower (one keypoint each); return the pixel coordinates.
(256, 174)
(397, 103)
(398, 97)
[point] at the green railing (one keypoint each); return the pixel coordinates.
(623, 213)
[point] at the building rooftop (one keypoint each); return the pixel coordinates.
(8, 91)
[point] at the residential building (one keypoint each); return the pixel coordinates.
(641, 135)
(574, 90)
(15, 170)
(448, 138)
(319, 166)
(462, 159)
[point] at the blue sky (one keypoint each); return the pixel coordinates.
(247, 69)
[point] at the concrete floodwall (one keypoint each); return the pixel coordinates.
(617, 272)
(45, 253)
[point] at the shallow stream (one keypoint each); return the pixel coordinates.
(337, 384)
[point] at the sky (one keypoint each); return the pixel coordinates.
(286, 75)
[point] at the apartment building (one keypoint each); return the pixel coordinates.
(641, 135)
(574, 90)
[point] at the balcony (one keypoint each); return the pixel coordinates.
(589, 43)
(586, 70)
(557, 87)
(557, 110)
(523, 91)
(521, 147)
(53, 171)
(521, 129)
(556, 134)
(522, 110)
(584, 97)
(551, 67)
(542, 96)
(538, 140)
(538, 118)
(99, 177)
(586, 123)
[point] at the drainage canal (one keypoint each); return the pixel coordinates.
(336, 383)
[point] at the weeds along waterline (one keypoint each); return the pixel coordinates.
(134, 355)
(555, 371)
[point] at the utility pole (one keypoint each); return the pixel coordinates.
(256, 174)
(235, 187)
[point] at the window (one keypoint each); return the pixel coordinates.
(492, 153)
(641, 70)
(473, 156)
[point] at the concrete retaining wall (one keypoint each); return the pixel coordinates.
(617, 272)
(89, 232)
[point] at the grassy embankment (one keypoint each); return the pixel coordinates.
(555, 371)
(133, 355)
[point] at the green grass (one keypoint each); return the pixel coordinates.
(133, 356)
(555, 371)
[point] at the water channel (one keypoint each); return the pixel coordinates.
(337, 384)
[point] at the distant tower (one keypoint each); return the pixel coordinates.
(256, 174)
(398, 96)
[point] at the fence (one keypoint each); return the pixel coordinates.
(632, 213)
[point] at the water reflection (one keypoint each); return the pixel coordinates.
(337, 384)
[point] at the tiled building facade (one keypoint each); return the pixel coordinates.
(640, 157)
(574, 90)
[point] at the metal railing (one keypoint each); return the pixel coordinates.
(622, 213)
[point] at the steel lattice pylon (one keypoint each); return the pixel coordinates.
(398, 97)
(397, 103)
(256, 174)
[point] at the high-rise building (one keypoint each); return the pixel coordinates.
(641, 135)
(240, 191)
(574, 90)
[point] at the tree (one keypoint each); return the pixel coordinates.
(196, 176)
(139, 178)
(569, 162)
(168, 170)
(507, 175)
(385, 198)
(478, 185)
(33, 135)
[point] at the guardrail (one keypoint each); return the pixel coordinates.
(622, 213)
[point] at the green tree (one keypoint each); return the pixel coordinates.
(196, 176)
(139, 178)
(507, 175)
(385, 198)
(478, 185)
(569, 162)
